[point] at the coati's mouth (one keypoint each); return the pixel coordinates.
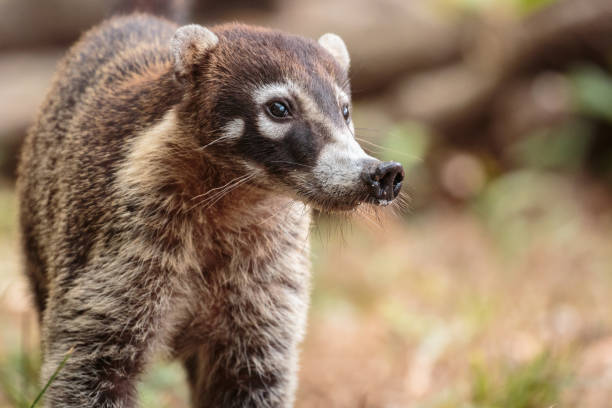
(336, 206)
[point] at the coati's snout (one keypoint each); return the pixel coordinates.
(348, 177)
(384, 180)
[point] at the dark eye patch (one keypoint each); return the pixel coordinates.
(299, 149)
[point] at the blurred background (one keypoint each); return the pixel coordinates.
(494, 289)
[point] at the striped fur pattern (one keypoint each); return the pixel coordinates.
(163, 211)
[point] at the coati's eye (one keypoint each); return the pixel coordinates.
(278, 109)
(346, 113)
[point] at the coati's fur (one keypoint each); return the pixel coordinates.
(161, 206)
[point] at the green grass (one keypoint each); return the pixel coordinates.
(533, 384)
(19, 379)
(52, 378)
(164, 385)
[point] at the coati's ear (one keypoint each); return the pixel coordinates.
(336, 47)
(190, 44)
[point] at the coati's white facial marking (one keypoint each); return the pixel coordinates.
(267, 126)
(335, 168)
(233, 129)
(342, 96)
(273, 91)
(340, 163)
(271, 129)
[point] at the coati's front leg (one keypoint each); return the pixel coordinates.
(249, 356)
(112, 317)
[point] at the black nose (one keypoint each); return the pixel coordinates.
(384, 181)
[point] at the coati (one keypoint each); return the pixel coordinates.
(165, 193)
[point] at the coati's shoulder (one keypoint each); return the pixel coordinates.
(116, 49)
(114, 82)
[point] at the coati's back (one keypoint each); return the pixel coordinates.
(115, 81)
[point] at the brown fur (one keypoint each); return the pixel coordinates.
(121, 261)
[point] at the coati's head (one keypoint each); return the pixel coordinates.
(279, 105)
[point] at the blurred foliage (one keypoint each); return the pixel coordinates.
(19, 377)
(410, 143)
(568, 145)
(561, 147)
(410, 140)
(592, 88)
(533, 384)
(520, 7)
(517, 209)
(530, 6)
(164, 386)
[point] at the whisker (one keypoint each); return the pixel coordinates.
(368, 129)
(224, 189)
(411, 156)
(292, 163)
(209, 204)
(277, 213)
(214, 141)
(373, 224)
(216, 188)
(403, 203)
